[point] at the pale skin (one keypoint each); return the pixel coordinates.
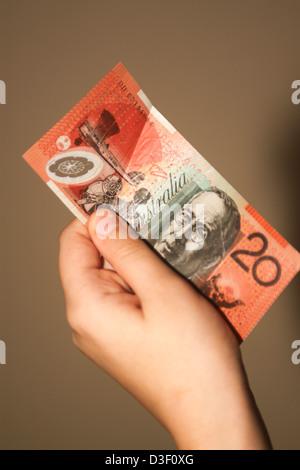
(159, 338)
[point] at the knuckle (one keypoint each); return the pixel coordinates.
(63, 236)
(76, 340)
(69, 231)
(76, 321)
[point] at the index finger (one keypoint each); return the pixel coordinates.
(77, 256)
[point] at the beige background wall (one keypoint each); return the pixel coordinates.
(221, 72)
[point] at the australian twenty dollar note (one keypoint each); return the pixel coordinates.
(115, 149)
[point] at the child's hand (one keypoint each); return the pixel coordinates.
(165, 343)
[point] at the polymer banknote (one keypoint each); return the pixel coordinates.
(114, 148)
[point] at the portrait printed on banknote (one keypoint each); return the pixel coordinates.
(200, 255)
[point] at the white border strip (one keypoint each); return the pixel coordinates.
(163, 120)
(66, 201)
(156, 113)
(145, 99)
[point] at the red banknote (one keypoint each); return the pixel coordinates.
(115, 149)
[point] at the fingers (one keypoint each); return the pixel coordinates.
(133, 260)
(77, 256)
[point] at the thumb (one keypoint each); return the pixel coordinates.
(133, 260)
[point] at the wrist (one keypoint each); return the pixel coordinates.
(221, 421)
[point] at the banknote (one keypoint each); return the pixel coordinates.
(114, 148)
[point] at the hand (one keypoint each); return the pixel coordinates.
(159, 338)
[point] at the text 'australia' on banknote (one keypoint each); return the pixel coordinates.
(114, 148)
